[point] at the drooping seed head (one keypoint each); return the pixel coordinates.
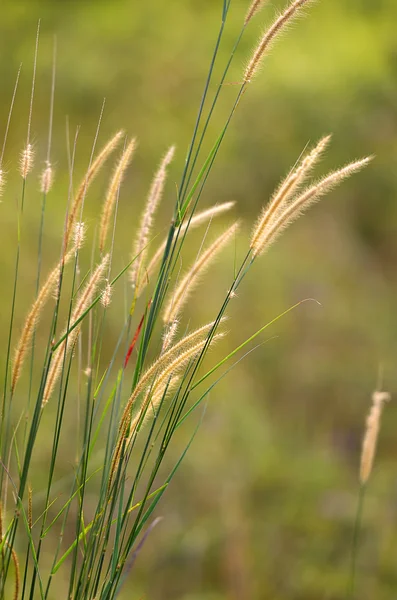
(192, 277)
(197, 220)
(269, 37)
(302, 203)
(255, 7)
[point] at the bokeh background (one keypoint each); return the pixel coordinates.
(264, 503)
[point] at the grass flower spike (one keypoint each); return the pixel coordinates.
(114, 186)
(270, 35)
(68, 343)
(48, 289)
(47, 178)
(371, 435)
(197, 220)
(27, 161)
(153, 200)
(256, 6)
(87, 180)
(192, 277)
(261, 240)
(286, 190)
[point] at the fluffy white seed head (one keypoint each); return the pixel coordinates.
(26, 161)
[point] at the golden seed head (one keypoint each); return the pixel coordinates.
(137, 272)
(2, 181)
(270, 35)
(27, 160)
(197, 220)
(301, 203)
(192, 277)
(113, 190)
(256, 6)
(371, 434)
(106, 295)
(79, 235)
(47, 178)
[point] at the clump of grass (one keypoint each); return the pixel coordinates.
(127, 409)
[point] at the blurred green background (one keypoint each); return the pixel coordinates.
(264, 504)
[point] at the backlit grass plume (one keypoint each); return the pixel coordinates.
(266, 234)
(86, 182)
(371, 435)
(270, 36)
(255, 7)
(197, 220)
(68, 343)
(114, 186)
(48, 289)
(192, 277)
(152, 202)
(287, 189)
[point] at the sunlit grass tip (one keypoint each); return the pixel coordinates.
(287, 189)
(48, 288)
(371, 434)
(93, 170)
(82, 305)
(26, 162)
(46, 178)
(270, 35)
(197, 220)
(255, 7)
(192, 277)
(152, 202)
(261, 243)
(114, 186)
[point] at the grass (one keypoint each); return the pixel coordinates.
(130, 408)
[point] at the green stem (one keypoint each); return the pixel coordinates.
(356, 535)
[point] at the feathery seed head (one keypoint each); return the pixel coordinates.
(270, 35)
(49, 287)
(68, 344)
(286, 191)
(191, 279)
(298, 205)
(195, 221)
(371, 435)
(152, 202)
(106, 295)
(169, 334)
(26, 161)
(47, 178)
(93, 170)
(256, 6)
(113, 189)
(79, 232)
(2, 181)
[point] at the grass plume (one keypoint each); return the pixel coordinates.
(192, 277)
(47, 289)
(87, 180)
(114, 186)
(68, 343)
(260, 243)
(152, 202)
(269, 37)
(370, 439)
